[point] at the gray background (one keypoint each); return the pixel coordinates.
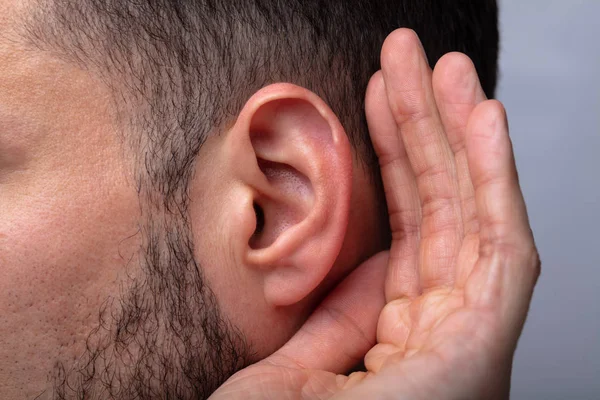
(550, 85)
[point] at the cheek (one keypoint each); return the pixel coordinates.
(62, 251)
(55, 254)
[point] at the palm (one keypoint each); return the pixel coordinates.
(461, 239)
(438, 336)
(462, 265)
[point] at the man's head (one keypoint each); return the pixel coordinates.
(170, 209)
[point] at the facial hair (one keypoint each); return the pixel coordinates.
(163, 337)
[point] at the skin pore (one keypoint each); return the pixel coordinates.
(102, 293)
(64, 184)
(111, 289)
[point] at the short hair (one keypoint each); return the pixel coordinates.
(184, 68)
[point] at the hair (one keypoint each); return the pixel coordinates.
(184, 68)
(181, 70)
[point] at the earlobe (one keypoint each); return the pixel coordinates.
(298, 165)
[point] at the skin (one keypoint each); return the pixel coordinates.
(462, 267)
(458, 279)
(64, 184)
(71, 222)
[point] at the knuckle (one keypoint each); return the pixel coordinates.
(404, 223)
(431, 173)
(514, 248)
(441, 213)
(434, 206)
(492, 179)
(410, 106)
(535, 263)
(493, 246)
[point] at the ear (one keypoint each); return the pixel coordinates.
(292, 156)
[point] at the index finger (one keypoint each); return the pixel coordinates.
(401, 194)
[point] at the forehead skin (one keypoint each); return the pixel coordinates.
(67, 206)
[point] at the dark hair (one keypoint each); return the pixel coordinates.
(181, 70)
(186, 67)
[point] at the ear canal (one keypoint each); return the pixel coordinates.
(260, 220)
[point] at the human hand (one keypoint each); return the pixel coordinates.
(463, 262)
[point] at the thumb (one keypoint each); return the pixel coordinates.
(343, 328)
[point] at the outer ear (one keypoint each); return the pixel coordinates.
(289, 149)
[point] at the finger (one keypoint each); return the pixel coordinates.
(405, 324)
(400, 191)
(457, 91)
(343, 328)
(508, 264)
(407, 79)
(379, 355)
